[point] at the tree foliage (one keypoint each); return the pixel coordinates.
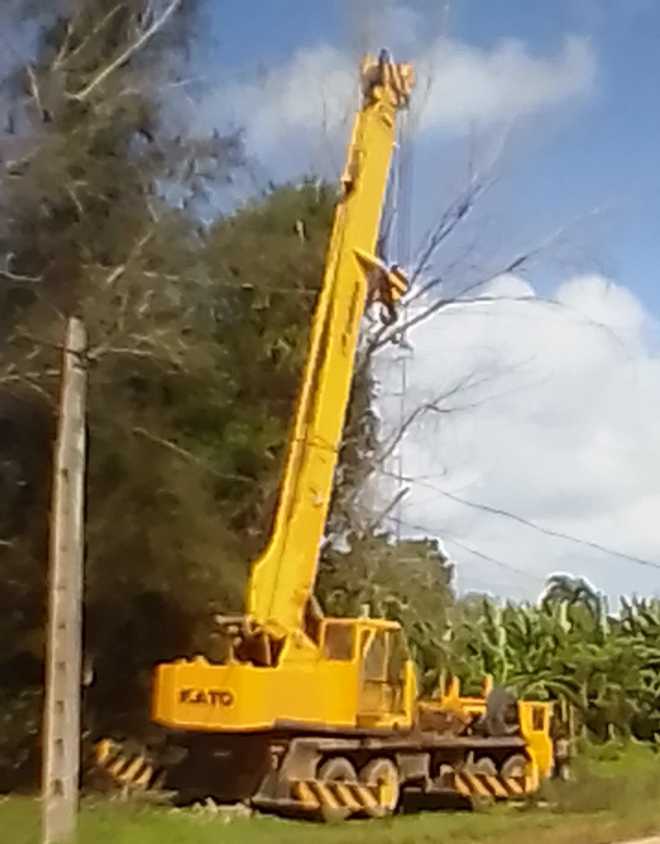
(197, 337)
(409, 582)
(196, 333)
(568, 649)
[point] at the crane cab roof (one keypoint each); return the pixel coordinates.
(365, 623)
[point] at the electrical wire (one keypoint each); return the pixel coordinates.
(452, 540)
(497, 511)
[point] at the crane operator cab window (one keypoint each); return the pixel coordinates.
(338, 641)
(540, 719)
(384, 656)
(375, 657)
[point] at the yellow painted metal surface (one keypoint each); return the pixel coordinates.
(535, 729)
(282, 578)
(307, 685)
(240, 697)
(322, 691)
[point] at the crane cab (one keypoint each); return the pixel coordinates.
(385, 677)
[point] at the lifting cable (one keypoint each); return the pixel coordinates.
(403, 194)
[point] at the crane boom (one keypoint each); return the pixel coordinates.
(283, 577)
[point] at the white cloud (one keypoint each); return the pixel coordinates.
(563, 433)
(293, 116)
(309, 95)
(473, 85)
(296, 114)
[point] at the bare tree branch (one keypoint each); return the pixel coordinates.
(76, 201)
(8, 273)
(190, 457)
(128, 53)
(31, 381)
(384, 338)
(59, 58)
(380, 518)
(22, 334)
(36, 93)
(437, 281)
(515, 265)
(100, 352)
(432, 406)
(62, 57)
(118, 271)
(410, 479)
(24, 279)
(449, 221)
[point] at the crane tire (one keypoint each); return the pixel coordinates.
(382, 771)
(337, 769)
(485, 765)
(514, 766)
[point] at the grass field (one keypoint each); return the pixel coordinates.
(615, 796)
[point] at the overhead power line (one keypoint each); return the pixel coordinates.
(490, 559)
(498, 511)
(470, 549)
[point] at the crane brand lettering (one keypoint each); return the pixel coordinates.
(207, 697)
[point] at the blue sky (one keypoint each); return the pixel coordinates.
(562, 428)
(599, 152)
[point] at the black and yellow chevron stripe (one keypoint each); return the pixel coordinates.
(339, 799)
(131, 771)
(490, 786)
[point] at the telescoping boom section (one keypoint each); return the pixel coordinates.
(288, 666)
(283, 578)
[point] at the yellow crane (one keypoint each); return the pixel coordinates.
(316, 714)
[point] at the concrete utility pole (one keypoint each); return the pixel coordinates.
(61, 731)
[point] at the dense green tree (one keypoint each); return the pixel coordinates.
(194, 350)
(197, 336)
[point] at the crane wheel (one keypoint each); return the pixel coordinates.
(382, 772)
(515, 766)
(443, 775)
(337, 769)
(485, 765)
